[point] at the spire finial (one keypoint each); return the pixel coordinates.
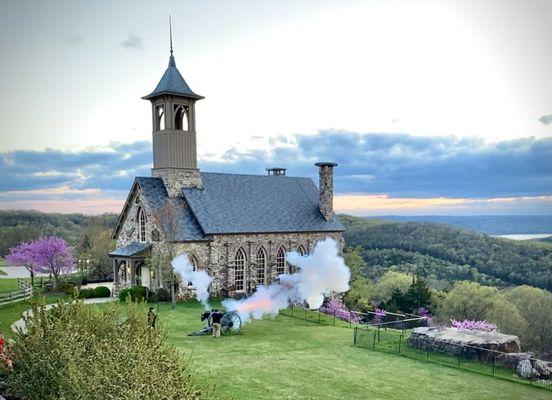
(170, 32)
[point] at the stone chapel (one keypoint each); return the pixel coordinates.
(236, 227)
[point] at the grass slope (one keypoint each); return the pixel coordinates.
(289, 358)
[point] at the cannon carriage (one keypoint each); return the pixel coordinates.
(230, 323)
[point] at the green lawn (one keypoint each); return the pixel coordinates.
(11, 313)
(8, 285)
(289, 358)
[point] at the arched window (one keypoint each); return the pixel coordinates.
(301, 250)
(261, 267)
(160, 117)
(195, 266)
(180, 118)
(141, 225)
(281, 261)
(239, 270)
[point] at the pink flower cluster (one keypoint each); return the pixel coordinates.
(336, 307)
(380, 313)
(5, 359)
(473, 325)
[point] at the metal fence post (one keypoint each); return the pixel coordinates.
(400, 340)
(355, 337)
(493, 366)
(334, 318)
(374, 343)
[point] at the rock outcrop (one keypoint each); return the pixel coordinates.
(468, 343)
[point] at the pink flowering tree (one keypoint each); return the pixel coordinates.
(336, 307)
(25, 255)
(474, 325)
(55, 257)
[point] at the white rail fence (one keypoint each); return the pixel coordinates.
(25, 292)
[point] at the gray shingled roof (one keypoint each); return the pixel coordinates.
(131, 249)
(172, 82)
(231, 203)
(155, 197)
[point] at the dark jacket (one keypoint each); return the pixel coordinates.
(216, 316)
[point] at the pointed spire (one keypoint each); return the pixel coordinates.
(172, 63)
(172, 82)
(170, 32)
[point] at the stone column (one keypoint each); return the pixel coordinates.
(132, 272)
(325, 189)
(115, 272)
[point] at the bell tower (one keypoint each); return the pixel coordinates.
(174, 130)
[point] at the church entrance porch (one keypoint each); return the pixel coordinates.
(129, 266)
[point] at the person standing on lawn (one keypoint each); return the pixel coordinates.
(216, 317)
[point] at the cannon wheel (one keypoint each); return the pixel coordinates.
(230, 322)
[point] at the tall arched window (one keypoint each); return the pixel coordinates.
(239, 269)
(261, 267)
(180, 118)
(281, 261)
(160, 118)
(301, 250)
(195, 265)
(141, 225)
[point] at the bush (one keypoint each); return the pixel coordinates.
(163, 295)
(99, 291)
(47, 363)
(102, 291)
(136, 293)
(68, 288)
(86, 293)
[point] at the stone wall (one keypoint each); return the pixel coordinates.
(217, 256)
(130, 230)
(175, 179)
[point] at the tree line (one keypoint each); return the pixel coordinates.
(445, 254)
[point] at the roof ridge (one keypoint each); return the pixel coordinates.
(256, 175)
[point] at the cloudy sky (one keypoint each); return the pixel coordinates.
(428, 107)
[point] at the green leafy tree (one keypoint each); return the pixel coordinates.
(467, 300)
(536, 307)
(507, 317)
(390, 282)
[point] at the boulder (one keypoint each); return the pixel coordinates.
(512, 359)
(464, 342)
(543, 368)
(525, 369)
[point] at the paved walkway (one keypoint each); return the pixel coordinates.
(20, 323)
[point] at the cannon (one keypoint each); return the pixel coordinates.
(230, 322)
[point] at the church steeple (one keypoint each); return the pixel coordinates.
(174, 130)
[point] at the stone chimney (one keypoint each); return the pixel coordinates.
(325, 189)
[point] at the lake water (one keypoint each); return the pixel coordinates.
(525, 237)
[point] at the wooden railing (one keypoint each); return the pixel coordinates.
(25, 292)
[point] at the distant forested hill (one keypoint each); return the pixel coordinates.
(446, 253)
(489, 224)
(18, 226)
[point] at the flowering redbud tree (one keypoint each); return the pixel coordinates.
(379, 314)
(54, 257)
(25, 255)
(473, 325)
(336, 307)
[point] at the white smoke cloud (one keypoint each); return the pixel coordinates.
(319, 274)
(200, 279)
